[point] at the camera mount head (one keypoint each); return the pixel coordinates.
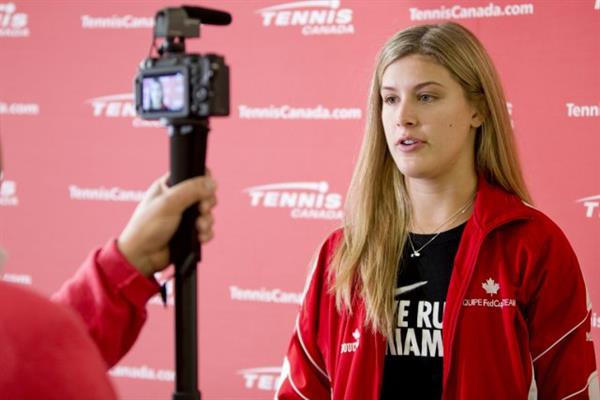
(175, 24)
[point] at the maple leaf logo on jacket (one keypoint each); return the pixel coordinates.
(490, 286)
(351, 347)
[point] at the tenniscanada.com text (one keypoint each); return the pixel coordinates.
(289, 112)
(459, 12)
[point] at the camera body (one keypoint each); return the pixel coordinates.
(182, 86)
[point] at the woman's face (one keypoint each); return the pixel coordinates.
(429, 124)
(156, 96)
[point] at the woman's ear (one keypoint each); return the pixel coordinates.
(477, 117)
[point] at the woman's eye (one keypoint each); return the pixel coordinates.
(426, 98)
(389, 99)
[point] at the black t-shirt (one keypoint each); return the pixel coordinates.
(413, 360)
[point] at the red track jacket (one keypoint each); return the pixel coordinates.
(516, 322)
(45, 351)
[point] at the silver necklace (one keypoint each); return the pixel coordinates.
(417, 252)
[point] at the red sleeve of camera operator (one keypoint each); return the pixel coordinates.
(110, 295)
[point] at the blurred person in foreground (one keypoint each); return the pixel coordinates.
(442, 283)
(49, 352)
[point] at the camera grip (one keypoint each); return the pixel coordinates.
(187, 159)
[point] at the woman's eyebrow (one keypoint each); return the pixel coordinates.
(416, 87)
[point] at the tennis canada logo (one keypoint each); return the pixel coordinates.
(306, 200)
(591, 205)
(12, 23)
(8, 193)
(491, 288)
(119, 106)
(264, 295)
(457, 11)
(582, 110)
(142, 372)
(116, 22)
(19, 279)
(313, 17)
(21, 109)
(262, 378)
(107, 194)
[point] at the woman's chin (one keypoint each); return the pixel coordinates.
(413, 171)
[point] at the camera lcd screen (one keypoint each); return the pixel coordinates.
(163, 93)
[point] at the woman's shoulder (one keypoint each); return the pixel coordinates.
(499, 208)
(333, 239)
(541, 226)
(320, 266)
(536, 234)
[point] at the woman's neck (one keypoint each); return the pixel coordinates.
(440, 204)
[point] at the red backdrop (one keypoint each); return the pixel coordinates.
(76, 157)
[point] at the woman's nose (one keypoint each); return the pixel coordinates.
(406, 115)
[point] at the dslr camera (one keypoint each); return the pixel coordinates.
(177, 85)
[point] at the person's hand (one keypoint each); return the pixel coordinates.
(145, 240)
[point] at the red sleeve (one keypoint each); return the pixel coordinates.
(45, 352)
(559, 324)
(110, 295)
(304, 374)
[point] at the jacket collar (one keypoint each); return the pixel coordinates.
(494, 206)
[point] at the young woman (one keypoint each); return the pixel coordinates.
(443, 282)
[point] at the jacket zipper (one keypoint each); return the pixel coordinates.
(454, 311)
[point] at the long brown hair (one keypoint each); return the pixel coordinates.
(366, 263)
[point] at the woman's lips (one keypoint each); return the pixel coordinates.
(409, 144)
